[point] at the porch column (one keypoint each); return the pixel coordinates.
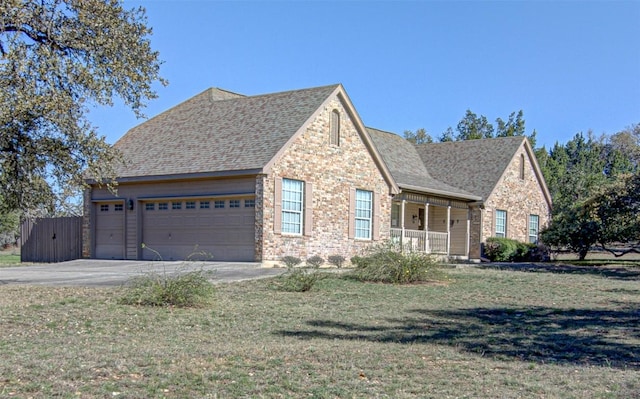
(468, 236)
(427, 247)
(402, 225)
(448, 230)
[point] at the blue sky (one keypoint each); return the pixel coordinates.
(570, 66)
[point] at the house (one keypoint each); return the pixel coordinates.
(504, 172)
(256, 178)
(244, 179)
(494, 188)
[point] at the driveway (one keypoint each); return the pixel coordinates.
(106, 273)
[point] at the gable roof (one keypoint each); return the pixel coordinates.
(408, 169)
(476, 165)
(218, 131)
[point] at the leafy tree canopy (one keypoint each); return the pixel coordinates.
(57, 57)
(472, 127)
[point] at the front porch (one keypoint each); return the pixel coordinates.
(432, 225)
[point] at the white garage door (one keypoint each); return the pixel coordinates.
(109, 230)
(183, 228)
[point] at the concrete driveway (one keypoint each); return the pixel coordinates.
(105, 273)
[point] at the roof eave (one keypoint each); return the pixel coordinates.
(468, 197)
(183, 176)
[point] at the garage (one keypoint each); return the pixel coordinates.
(109, 230)
(198, 228)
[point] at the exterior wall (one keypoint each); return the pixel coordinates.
(137, 192)
(519, 197)
(87, 214)
(333, 171)
(475, 237)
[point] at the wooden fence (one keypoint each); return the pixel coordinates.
(51, 239)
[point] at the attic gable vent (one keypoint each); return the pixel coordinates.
(334, 128)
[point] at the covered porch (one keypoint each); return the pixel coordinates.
(429, 224)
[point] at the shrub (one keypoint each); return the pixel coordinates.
(188, 289)
(499, 249)
(291, 261)
(315, 261)
(297, 280)
(387, 265)
(336, 260)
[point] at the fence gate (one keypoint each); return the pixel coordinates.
(51, 239)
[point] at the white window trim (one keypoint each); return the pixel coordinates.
(359, 217)
(537, 229)
(504, 232)
(290, 186)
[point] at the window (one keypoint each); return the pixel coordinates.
(104, 208)
(522, 166)
(395, 215)
(334, 135)
(249, 203)
(190, 205)
(163, 206)
(364, 213)
(118, 207)
(534, 221)
(292, 200)
(218, 204)
(234, 203)
(205, 204)
(176, 205)
(501, 223)
(149, 206)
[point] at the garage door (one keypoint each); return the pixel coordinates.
(109, 230)
(183, 228)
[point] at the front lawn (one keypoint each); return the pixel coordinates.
(482, 333)
(9, 259)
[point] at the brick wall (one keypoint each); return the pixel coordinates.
(519, 197)
(333, 171)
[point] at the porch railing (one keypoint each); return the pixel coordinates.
(416, 240)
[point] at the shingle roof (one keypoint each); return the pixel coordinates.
(476, 165)
(408, 169)
(218, 131)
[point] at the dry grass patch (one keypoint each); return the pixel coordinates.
(487, 333)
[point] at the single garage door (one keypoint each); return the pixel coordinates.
(185, 228)
(109, 230)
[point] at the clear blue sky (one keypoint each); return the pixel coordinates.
(570, 66)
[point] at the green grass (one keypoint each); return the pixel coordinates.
(9, 259)
(510, 333)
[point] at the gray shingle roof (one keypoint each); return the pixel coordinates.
(218, 131)
(407, 167)
(476, 165)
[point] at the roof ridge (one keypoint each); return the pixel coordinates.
(294, 91)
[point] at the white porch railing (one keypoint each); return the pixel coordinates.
(416, 240)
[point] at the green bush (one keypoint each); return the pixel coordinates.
(190, 289)
(291, 261)
(315, 261)
(499, 249)
(336, 260)
(297, 280)
(387, 265)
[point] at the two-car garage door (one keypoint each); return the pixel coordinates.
(196, 228)
(185, 228)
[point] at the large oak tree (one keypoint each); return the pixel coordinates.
(57, 59)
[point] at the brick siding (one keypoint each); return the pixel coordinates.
(333, 171)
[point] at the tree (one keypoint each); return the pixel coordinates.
(473, 127)
(617, 212)
(595, 201)
(420, 136)
(58, 57)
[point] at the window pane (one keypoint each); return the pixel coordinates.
(292, 205)
(501, 223)
(533, 229)
(363, 213)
